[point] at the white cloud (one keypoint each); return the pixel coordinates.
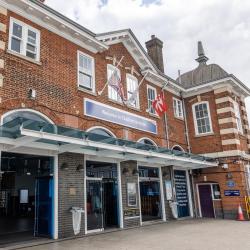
(223, 26)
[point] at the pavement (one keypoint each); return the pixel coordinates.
(199, 234)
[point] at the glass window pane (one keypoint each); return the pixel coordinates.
(16, 45)
(30, 54)
(31, 37)
(84, 80)
(31, 48)
(216, 191)
(85, 63)
(17, 30)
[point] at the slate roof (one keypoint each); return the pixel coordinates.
(204, 73)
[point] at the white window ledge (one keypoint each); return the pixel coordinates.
(24, 57)
(86, 91)
(207, 134)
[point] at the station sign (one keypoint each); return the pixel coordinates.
(231, 184)
(110, 114)
(232, 192)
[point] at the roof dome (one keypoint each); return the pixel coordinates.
(203, 73)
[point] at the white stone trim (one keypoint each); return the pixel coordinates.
(2, 45)
(248, 137)
(1, 63)
(243, 108)
(244, 117)
(227, 120)
(223, 89)
(1, 80)
(3, 11)
(225, 153)
(248, 145)
(230, 142)
(246, 127)
(228, 131)
(225, 110)
(224, 99)
(3, 27)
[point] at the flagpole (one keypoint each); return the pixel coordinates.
(100, 92)
(165, 119)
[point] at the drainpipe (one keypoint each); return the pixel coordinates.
(189, 148)
(165, 119)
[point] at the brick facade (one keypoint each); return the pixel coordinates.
(59, 98)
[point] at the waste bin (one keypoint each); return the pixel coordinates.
(174, 208)
(76, 219)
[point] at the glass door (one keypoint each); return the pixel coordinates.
(44, 207)
(150, 200)
(94, 204)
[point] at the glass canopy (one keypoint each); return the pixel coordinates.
(14, 129)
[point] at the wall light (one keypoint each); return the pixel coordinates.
(80, 167)
(125, 171)
(65, 166)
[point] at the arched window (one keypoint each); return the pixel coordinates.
(99, 133)
(26, 114)
(148, 142)
(177, 148)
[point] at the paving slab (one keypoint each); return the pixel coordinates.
(199, 234)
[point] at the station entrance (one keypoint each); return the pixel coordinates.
(102, 196)
(150, 193)
(26, 197)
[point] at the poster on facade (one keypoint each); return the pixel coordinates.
(181, 190)
(131, 192)
(169, 191)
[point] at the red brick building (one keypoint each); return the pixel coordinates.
(224, 135)
(70, 143)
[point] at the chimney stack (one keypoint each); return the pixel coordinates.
(154, 48)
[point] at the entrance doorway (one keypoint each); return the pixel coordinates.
(102, 196)
(150, 194)
(206, 201)
(26, 197)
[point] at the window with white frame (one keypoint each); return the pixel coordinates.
(202, 119)
(86, 71)
(112, 93)
(248, 177)
(178, 110)
(151, 97)
(238, 117)
(216, 191)
(24, 39)
(132, 91)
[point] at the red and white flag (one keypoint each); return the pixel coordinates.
(159, 104)
(115, 82)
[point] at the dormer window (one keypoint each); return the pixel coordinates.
(24, 39)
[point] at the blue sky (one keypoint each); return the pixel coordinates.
(222, 25)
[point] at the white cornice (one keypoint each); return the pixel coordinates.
(238, 87)
(54, 24)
